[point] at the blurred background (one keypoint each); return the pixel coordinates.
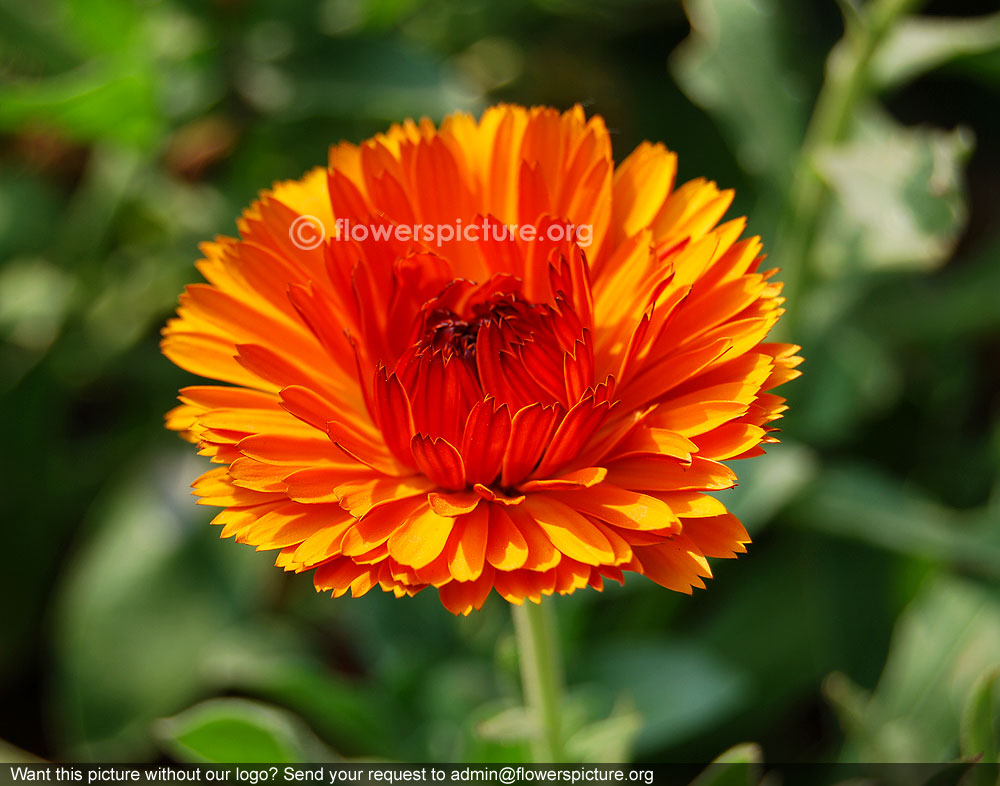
(864, 624)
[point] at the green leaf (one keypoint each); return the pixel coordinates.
(376, 78)
(490, 733)
(383, 14)
(238, 731)
(29, 206)
(513, 724)
(105, 27)
(900, 197)
(766, 486)
(592, 732)
(851, 375)
(9, 754)
(979, 719)
(946, 638)
(861, 503)
(677, 687)
(608, 739)
(738, 629)
(918, 44)
(91, 104)
(958, 305)
(34, 298)
(26, 31)
(354, 717)
(738, 42)
(146, 598)
(738, 766)
(849, 700)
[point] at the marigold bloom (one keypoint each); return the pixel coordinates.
(526, 415)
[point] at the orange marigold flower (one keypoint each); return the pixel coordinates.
(530, 412)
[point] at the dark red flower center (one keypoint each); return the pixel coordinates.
(477, 355)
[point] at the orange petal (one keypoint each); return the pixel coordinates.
(697, 418)
(506, 547)
(487, 430)
(364, 450)
(570, 532)
(641, 185)
(677, 564)
(218, 397)
(497, 496)
(209, 356)
(454, 503)
(580, 423)
(692, 504)
(718, 536)
(571, 481)
(338, 575)
(621, 507)
(322, 545)
(439, 461)
(531, 429)
(215, 488)
(293, 449)
(421, 538)
(465, 550)
(656, 473)
(319, 484)
(651, 440)
(374, 528)
(392, 411)
(729, 440)
(250, 474)
(362, 495)
(291, 524)
(461, 597)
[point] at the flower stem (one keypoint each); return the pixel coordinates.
(541, 675)
(845, 88)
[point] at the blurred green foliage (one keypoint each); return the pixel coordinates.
(865, 622)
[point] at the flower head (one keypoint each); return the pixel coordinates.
(481, 357)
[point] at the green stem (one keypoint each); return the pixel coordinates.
(847, 85)
(541, 675)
